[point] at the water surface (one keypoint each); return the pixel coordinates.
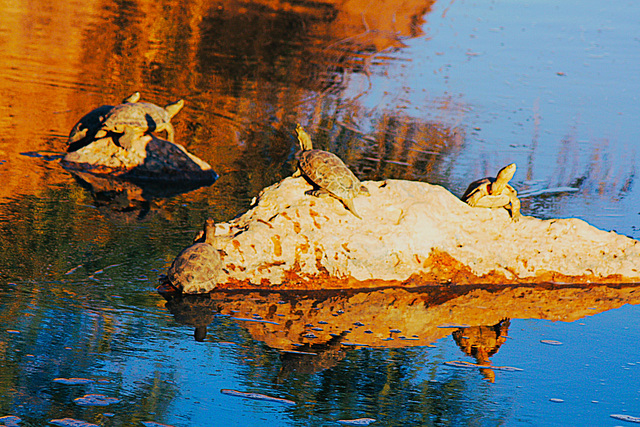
(443, 92)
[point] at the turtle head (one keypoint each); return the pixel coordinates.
(209, 231)
(174, 108)
(303, 138)
(502, 179)
(134, 97)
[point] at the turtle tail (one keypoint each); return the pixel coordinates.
(349, 205)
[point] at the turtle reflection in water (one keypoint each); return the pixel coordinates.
(482, 342)
(197, 267)
(495, 192)
(327, 173)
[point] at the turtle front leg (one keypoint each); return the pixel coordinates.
(170, 132)
(515, 208)
(318, 192)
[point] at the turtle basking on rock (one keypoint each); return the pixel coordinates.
(196, 268)
(495, 192)
(134, 119)
(84, 132)
(327, 173)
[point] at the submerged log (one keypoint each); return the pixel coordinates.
(412, 234)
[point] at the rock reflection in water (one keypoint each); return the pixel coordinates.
(129, 198)
(392, 318)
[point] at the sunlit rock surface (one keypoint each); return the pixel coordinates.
(411, 234)
(150, 158)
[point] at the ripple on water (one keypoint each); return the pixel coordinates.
(357, 422)
(464, 364)
(73, 381)
(155, 424)
(256, 396)
(10, 421)
(71, 422)
(628, 418)
(95, 400)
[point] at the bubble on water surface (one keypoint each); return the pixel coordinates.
(551, 342)
(73, 381)
(70, 422)
(10, 421)
(95, 400)
(628, 418)
(357, 422)
(256, 396)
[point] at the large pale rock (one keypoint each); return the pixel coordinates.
(149, 158)
(411, 234)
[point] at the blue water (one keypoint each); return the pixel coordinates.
(552, 86)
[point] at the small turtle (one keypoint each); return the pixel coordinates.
(196, 268)
(84, 132)
(327, 173)
(495, 192)
(134, 119)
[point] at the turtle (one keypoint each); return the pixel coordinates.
(84, 132)
(495, 192)
(196, 268)
(134, 119)
(327, 173)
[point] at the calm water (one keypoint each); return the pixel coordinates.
(445, 92)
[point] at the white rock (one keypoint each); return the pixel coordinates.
(411, 234)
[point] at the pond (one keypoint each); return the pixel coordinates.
(438, 91)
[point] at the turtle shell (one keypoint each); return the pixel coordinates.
(196, 268)
(479, 187)
(479, 194)
(142, 116)
(329, 172)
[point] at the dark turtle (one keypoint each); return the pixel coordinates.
(196, 268)
(134, 119)
(84, 132)
(327, 173)
(495, 192)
